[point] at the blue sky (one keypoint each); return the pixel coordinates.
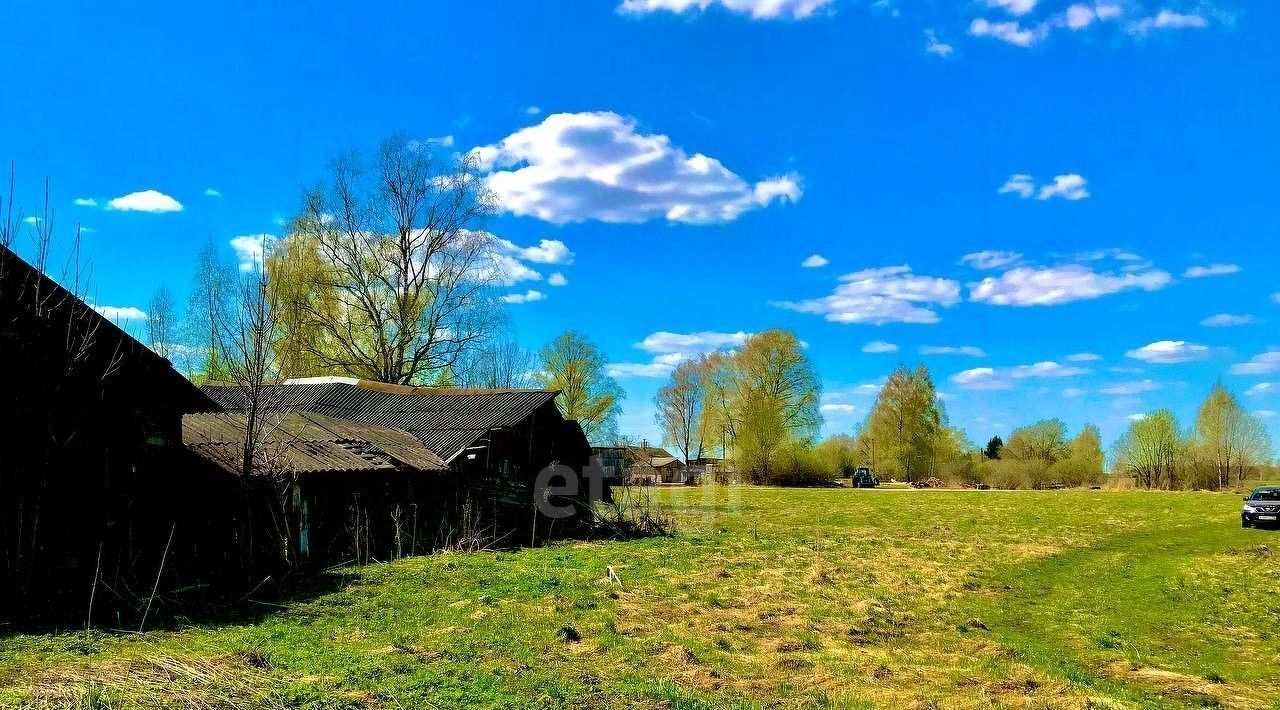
(1107, 168)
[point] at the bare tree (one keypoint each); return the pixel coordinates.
(246, 337)
(501, 364)
(680, 408)
(161, 323)
(403, 277)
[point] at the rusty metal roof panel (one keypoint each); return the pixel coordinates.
(307, 442)
(446, 420)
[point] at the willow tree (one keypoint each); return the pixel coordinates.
(776, 393)
(395, 271)
(576, 367)
(1228, 438)
(906, 427)
(1151, 450)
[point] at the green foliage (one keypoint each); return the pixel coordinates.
(576, 367)
(900, 598)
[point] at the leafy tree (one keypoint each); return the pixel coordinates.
(902, 432)
(1228, 437)
(1044, 441)
(576, 367)
(720, 416)
(775, 396)
(393, 272)
(994, 445)
(1150, 450)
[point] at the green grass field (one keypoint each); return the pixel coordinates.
(765, 597)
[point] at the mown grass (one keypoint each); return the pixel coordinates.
(765, 597)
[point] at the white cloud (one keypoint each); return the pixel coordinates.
(548, 251)
(1048, 368)
(879, 346)
(1051, 286)
(990, 259)
(1081, 15)
(1169, 352)
(1083, 357)
(991, 378)
(121, 313)
(85, 202)
(1136, 416)
(1069, 187)
(1019, 184)
(836, 408)
(1012, 32)
(249, 249)
(1226, 320)
(1072, 392)
(532, 110)
(890, 294)
(529, 296)
(966, 350)
(933, 45)
(664, 342)
(1129, 389)
(757, 9)
(1265, 413)
(210, 192)
(982, 378)
(1014, 7)
(443, 141)
(1263, 388)
(145, 201)
(1262, 364)
(1199, 272)
(815, 261)
(32, 220)
(557, 279)
(670, 349)
(1166, 20)
(574, 167)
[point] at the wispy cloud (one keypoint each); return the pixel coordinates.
(1069, 186)
(1170, 352)
(1129, 389)
(991, 259)
(1265, 363)
(965, 350)
(876, 347)
(757, 9)
(890, 294)
(1227, 320)
(1010, 31)
(529, 296)
(1055, 285)
(1199, 272)
(120, 314)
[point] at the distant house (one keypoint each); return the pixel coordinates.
(489, 447)
(93, 482)
(641, 465)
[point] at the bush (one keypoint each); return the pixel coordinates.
(798, 465)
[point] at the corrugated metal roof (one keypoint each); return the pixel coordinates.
(445, 419)
(308, 443)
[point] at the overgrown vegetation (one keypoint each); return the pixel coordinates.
(765, 597)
